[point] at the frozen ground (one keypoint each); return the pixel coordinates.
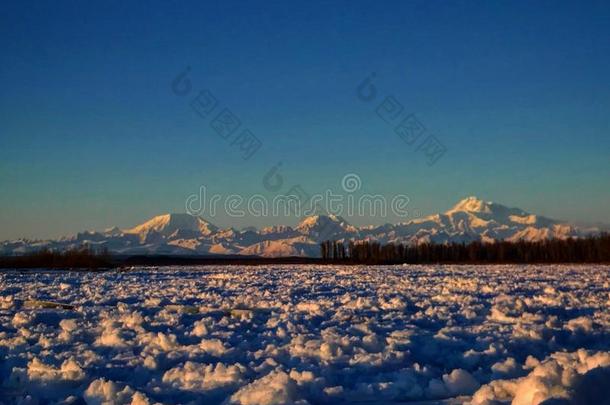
(308, 334)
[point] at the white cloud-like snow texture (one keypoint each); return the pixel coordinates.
(307, 335)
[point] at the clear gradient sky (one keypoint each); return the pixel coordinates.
(92, 136)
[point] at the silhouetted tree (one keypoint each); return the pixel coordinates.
(592, 249)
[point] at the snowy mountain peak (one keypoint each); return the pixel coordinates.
(168, 224)
(473, 204)
(472, 219)
(316, 221)
(324, 227)
(114, 231)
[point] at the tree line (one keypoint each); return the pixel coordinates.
(81, 258)
(594, 249)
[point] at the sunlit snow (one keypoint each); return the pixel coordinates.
(307, 334)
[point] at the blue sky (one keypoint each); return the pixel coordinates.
(91, 134)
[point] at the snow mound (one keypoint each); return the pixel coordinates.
(571, 377)
(276, 388)
(204, 377)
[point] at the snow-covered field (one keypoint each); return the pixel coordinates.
(307, 334)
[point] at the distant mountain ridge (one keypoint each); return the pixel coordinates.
(471, 219)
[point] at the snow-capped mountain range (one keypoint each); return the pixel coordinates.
(469, 220)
